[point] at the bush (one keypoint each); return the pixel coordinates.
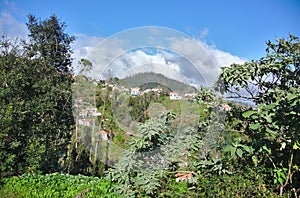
(55, 185)
(243, 183)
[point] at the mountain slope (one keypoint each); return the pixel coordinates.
(151, 80)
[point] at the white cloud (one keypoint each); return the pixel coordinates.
(205, 58)
(204, 33)
(11, 27)
(199, 56)
(185, 59)
(83, 46)
(222, 58)
(139, 61)
(141, 58)
(178, 56)
(175, 55)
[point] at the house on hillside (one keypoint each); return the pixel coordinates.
(174, 96)
(85, 122)
(104, 134)
(97, 114)
(183, 177)
(93, 111)
(135, 91)
(90, 111)
(147, 91)
(156, 90)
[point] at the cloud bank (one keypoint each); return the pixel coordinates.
(157, 49)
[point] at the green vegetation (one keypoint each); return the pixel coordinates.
(150, 78)
(55, 185)
(145, 145)
(36, 120)
(274, 124)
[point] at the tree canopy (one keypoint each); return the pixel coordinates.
(35, 96)
(272, 83)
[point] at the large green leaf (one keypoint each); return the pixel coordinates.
(248, 113)
(255, 126)
(239, 152)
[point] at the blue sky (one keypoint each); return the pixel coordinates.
(231, 30)
(240, 27)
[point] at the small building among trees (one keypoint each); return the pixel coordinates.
(174, 96)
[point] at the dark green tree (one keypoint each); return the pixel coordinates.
(16, 111)
(35, 99)
(50, 46)
(50, 43)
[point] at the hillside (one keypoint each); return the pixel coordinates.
(150, 79)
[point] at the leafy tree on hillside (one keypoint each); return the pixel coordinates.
(16, 93)
(85, 65)
(50, 45)
(272, 83)
(35, 99)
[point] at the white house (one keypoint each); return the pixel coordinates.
(158, 90)
(147, 91)
(90, 111)
(104, 134)
(85, 122)
(174, 96)
(135, 91)
(95, 114)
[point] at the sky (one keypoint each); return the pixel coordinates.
(230, 31)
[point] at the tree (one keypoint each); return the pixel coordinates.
(85, 65)
(50, 46)
(15, 103)
(35, 99)
(272, 84)
(50, 43)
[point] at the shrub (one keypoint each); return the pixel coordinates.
(55, 185)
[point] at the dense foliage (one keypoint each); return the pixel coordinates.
(35, 99)
(272, 84)
(55, 185)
